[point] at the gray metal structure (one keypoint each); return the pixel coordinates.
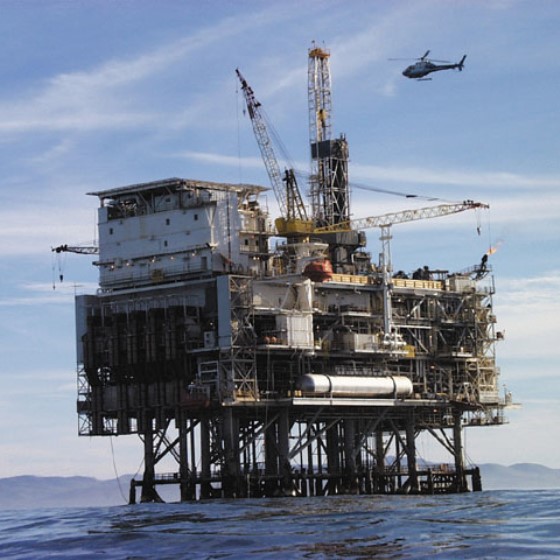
(299, 369)
(261, 373)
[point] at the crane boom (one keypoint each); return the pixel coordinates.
(403, 216)
(385, 222)
(81, 250)
(288, 196)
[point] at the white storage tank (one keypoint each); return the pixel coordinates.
(353, 386)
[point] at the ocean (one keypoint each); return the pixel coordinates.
(489, 524)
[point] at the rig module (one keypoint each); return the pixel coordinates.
(291, 367)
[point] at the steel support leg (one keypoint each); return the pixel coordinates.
(285, 471)
(350, 470)
(461, 480)
(149, 493)
(411, 454)
(231, 476)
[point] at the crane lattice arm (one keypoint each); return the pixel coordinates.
(83, 250)
(404, 216)
(288, 195)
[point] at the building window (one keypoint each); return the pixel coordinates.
(195, 217)
(167, 221)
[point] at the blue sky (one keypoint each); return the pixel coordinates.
(98, 94)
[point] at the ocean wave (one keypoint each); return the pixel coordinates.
(494, 524)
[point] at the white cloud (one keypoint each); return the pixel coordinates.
(33, 230)
(48, 388)
(101, 98)
(524, 207)
(223, 160)
(377, 40)
(53, 153)
(528, 311)
(407, 175)
(426, 176)
(72, 455)
(521, 440)
(48, 294)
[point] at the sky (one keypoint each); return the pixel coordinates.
(106, 93)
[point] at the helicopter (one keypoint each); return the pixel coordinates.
(425, 66)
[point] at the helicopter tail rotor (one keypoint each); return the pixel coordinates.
(461, 63)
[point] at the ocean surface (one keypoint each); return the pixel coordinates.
(490, 524)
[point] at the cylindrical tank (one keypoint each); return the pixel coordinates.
(352, 386)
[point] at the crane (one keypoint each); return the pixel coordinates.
(385, 221)
(80, 249)
(403, 216)
(293, 215)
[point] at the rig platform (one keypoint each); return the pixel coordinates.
(301, 368)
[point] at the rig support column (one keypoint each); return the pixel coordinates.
(285, 471)
(379, 481)
(461, 481)
(333, 458)
(351, 476)
(271, 460)
(413, 486)
(205, 458)
(149, 493)
(231, 475)
(185, 487)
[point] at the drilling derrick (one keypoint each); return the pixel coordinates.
(330, 199)
(260, 371)
(329, 189)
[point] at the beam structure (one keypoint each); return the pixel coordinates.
(260, 373)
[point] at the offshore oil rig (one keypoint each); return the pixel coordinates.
(286, 366)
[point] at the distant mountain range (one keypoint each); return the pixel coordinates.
(56, 491)
(79, 491)
(521, 476)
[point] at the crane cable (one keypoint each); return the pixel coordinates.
(400, 193)
(116, 471)
(305, 176)
(239, 101)
(391, 192)
(58, 262)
